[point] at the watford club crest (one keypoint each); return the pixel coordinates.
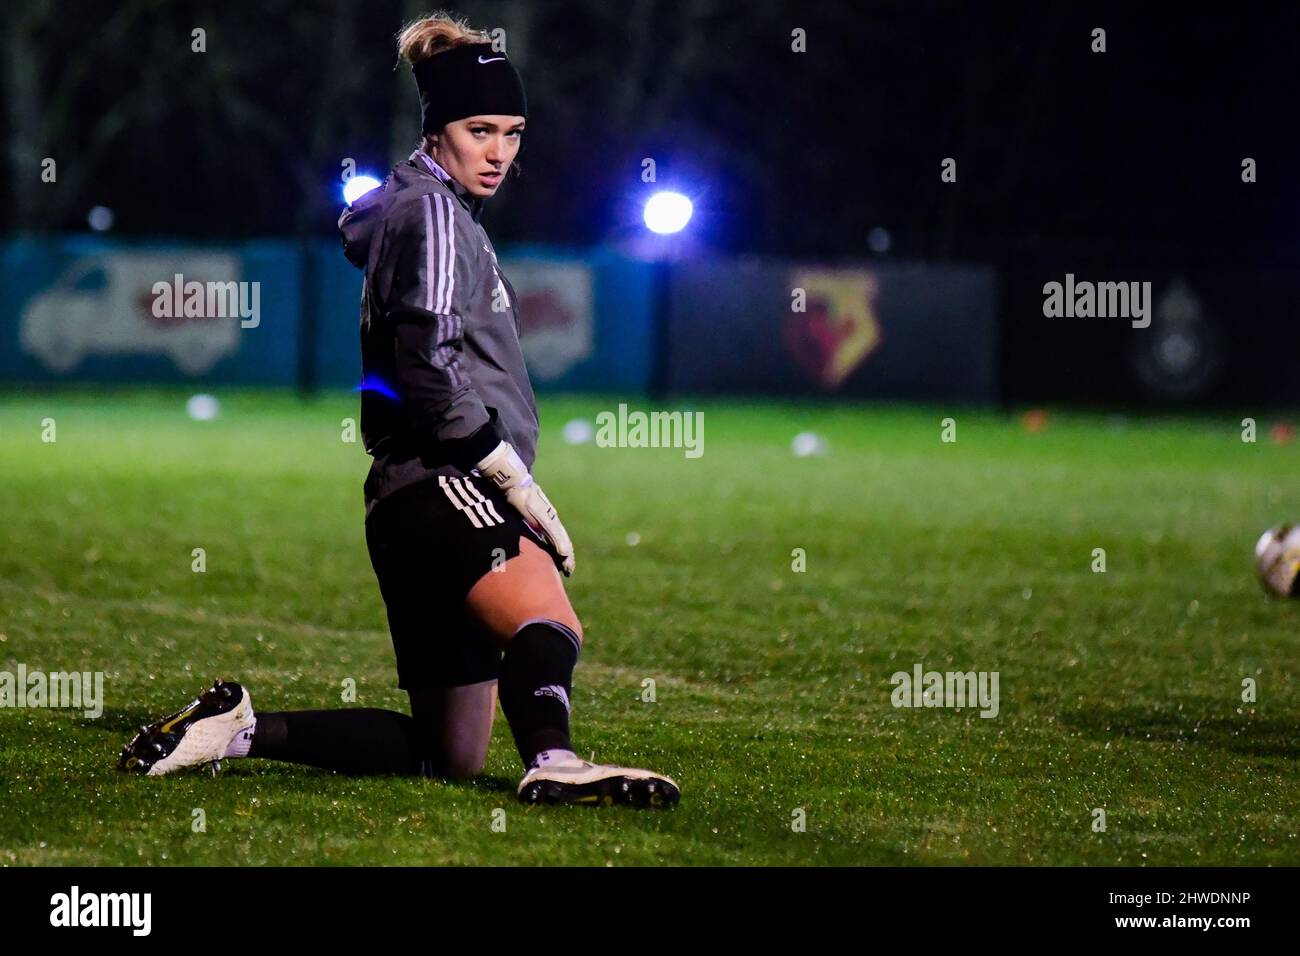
(837, 328)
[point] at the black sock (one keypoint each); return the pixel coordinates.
(361, 741)
(534, 686)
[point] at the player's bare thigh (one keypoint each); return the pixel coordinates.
(528, 586)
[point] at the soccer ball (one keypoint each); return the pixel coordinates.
(1277, 559)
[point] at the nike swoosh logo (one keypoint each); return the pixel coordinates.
(492, 60)
(179, 717)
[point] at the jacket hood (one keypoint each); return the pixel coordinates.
(360, 223)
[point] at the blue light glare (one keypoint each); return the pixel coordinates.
(667, 212)
(373, 383)
(358, 186)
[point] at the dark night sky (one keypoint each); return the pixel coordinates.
(798, 154)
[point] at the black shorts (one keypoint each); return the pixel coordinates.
(429, 544)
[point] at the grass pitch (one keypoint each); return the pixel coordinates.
(1119, 691)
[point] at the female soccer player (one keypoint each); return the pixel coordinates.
(466, 547)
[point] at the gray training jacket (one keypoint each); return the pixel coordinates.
(443, 376)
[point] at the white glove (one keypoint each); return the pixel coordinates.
(504, 468)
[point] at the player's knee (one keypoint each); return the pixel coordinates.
(464, 766)
(464, 760)
(565, 621)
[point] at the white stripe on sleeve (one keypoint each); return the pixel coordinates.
(428, 255)
(439, 254)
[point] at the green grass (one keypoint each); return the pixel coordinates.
(1119, 690)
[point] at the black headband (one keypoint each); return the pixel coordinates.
(467, 80)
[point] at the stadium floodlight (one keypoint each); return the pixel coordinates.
(358, 186)
(667, 212)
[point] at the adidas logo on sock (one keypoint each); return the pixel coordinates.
(553, 690)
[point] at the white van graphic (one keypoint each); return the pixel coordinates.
(555, 314)
(103, 305)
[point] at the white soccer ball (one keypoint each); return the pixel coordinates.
(1277, 559)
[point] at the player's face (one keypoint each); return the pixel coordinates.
(478, 151)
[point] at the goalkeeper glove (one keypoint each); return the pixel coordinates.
(504, 468)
